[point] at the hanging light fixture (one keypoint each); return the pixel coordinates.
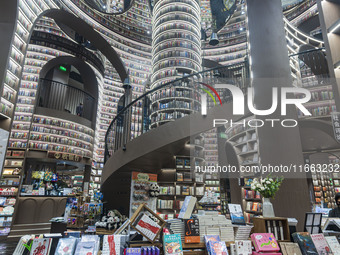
(213, 39)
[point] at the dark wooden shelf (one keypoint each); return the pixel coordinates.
(253, 212)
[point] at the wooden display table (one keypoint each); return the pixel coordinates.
(103, 231)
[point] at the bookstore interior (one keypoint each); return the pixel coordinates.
(177, 127)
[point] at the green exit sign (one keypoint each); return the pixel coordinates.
(62, 68)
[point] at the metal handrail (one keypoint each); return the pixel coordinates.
(306, 51)
(67, 85)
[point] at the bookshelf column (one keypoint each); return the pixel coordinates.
(270, 68)
(7, 24)
(329, 15)
(176, 51)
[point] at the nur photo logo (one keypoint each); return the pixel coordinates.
(238, 103)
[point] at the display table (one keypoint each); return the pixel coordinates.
(103, 231)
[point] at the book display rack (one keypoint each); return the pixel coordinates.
(27, 13)
(245, 143)
(179, 183)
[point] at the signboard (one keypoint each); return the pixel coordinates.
(64, 156)
(336, 125)
(3, 144)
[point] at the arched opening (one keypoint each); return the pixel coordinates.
(86, 31)
(69, 85)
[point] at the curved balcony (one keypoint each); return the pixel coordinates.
(66, 98)
(53, 41)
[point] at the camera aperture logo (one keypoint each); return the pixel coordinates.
(238, 104)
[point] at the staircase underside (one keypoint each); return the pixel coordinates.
(155, 149)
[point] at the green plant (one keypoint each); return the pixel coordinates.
(268, 186)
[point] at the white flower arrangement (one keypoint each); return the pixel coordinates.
(267, 187)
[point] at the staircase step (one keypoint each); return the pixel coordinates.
(30, 226)
(19, 230)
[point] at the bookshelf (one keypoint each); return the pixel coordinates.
(10, 181)
(175, 45)
(126, 26)
(119, 31)
(176, 184)
(324, 189)
(26, 14)
(244, 140)
(325, 182)
(52, 134)
(232, 37)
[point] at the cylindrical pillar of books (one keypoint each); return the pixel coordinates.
(176, 51)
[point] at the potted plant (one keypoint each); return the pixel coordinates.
(267, 187)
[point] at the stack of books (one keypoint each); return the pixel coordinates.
(213, 224)
(227, 234)
(242, 232)
(176, 226)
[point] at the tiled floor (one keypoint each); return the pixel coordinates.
(7, 247)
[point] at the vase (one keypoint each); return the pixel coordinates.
(267, 208)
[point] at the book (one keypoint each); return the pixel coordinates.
(85, 247)
(267, 253)
(179, 177)
(133, 251)
(254, 207)
(236, 214)
(187, 207)
(41, 246)
(275, 230)
(146, 226)
(217, 248)
(211, 238)
(66, 246)
(305, 242)
(269, 228)
(179, 163)
(192, 231)
(243, 247)
(282, 236)
(264, 242)
(111, 244)
(172, 244)
(75, 234)
(290, 248)
(320, 243)
(333, 244)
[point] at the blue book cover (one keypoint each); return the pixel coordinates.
(172, 244)
(217, 248)
(305, 242)
(211, 238)
(236, 214)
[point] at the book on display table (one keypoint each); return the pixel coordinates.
(305, 242)
(41, 246)
(172, 244)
